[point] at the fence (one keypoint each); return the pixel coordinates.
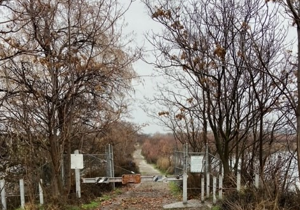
(96, 165)
(209, 168)
(5, 194)
(99, 165)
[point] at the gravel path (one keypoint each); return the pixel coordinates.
(144, 167)
(143, 196)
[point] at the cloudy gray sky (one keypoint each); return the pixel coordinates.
(140, 23)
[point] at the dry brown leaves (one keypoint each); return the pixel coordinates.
(141, 197)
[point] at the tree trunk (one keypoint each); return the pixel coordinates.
(55, 160)
(298, 103)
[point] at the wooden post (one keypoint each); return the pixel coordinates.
(202, 188)
(77, 179)
(220, 187)
(207, 185)
(41, 193)
(22, 193)
(214, 190)
(207, 171)
(238, 182)
(185, 176)
(256, 181)
(3, 194)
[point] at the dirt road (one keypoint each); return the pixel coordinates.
(143, 196)
(144, 167)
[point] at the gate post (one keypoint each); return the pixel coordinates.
(110, 163)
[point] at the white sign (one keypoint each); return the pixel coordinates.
(76, 161)
(197, 164)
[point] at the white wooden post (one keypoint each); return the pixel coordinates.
(256, 181)
(22, 193)
(202, 189)
(184, 196)
(3, 194)
(77, 179)
(220, 186)
(207, 171)
(238, 182)
(214, 190)
(207, 185)
(185, 176)
(41, 193)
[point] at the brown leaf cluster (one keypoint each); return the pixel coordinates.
(220, 52)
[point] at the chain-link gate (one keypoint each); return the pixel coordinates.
(208, 165)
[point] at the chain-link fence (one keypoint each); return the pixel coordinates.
(209, 165)
(214, 164)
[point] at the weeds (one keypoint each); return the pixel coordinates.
(175, 189)
(91, 205)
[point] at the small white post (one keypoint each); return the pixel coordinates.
(185, 176)
(238, 181)
(184, 196)
(3, 194)
(256, 181)
(207, 185)
(214, 190)
(41, 194)
(22, 193)
(77, 179)
(220, 187)
(207, 171)
(202, 189)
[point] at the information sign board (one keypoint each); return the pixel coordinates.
(197, 164)
(76, 161)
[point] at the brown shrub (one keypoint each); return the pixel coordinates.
(156, 147)
(163, 163)
(254, 199)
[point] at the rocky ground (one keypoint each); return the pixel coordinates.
(143, 196)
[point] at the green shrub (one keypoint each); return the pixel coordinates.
(175, 189)
(91, 205)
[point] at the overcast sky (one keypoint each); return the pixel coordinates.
(139, 21)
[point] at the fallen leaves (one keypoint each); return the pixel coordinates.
(142, 197)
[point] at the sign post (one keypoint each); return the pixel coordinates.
(77, 164)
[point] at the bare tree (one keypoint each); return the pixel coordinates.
(218, 54)
(64, 66)
(292, 8)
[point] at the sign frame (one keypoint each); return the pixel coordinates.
(197, 164)
(77, 161)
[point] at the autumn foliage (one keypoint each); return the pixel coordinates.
(158, 150)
